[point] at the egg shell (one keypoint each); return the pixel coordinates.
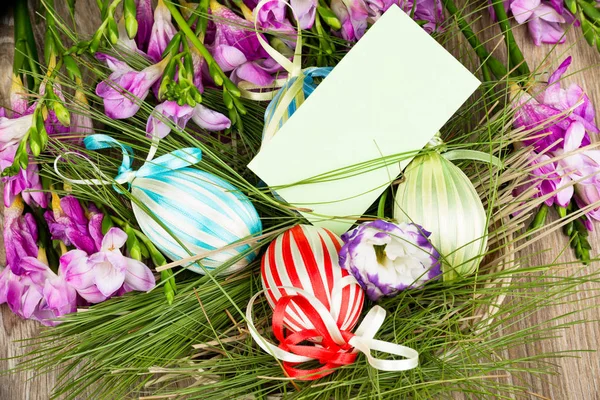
(203, 211)
(306, 257)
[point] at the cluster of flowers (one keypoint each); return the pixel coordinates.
(561, 121)
(544, 18)
(94, 270)
(232, 42)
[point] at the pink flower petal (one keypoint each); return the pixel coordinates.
(138, 276)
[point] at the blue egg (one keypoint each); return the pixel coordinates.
(203, 211)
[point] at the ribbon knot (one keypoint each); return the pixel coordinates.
(172, 161)
(331, 347)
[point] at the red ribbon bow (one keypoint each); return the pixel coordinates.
(327, 351)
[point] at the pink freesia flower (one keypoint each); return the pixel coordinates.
(107, 272)
(583, 167)
(210, 120)
(180, 115)
(305, 11)
(547, 178)
(236, 48)
(162, 32)
(69, 223)
(20, 234)
(550, 114)
(430, 11)
(35, 292)
(353, 15)
(125, 88)
(26, 182)
(145, 19)
(543, 21)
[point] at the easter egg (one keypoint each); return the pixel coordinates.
(202, 211)
(306, 257)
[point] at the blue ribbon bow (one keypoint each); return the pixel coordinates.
(172, 161)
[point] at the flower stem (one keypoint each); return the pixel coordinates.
(516, 60)
(25, 54)
(495, 66)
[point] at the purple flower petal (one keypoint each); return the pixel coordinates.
(138, 276)
(209, 119)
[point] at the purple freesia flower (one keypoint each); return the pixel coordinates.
(180, 115)
(145, 19)
(550, 114)
(69, 223)
(543, 20)
(273, 16)
(210, 120)
(162, 32)
(25, 183)
(548, 179)
(560, 121)
(583, 168)
(353, 15)
(107, 272)
(236, 48)
(429, 11)
(20, 234)
(386, 258)
(34, 291)
(125, 88)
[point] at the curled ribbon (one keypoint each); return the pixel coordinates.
(174, 160)
(286, 94)
(333, 348)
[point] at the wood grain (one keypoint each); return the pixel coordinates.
(578, 376)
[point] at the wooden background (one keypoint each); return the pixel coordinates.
(578, 378)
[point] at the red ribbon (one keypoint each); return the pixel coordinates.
(329, 353)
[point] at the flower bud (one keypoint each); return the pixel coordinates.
(129, 13)
(61, 113)
(329, 18)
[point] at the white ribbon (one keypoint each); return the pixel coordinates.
(363, 340)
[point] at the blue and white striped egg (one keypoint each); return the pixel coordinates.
(203, 211)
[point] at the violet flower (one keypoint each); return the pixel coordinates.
(543, 20)
(548, 178)
(145, 19)
(353, 15)
(125, 88)
(582, 167)
(25, 183)
(36, 292)
(107, 272)
(69, 223)
(386, 258)
(550, 114)
(236, 48)
(429, 11)
(273, 15)
(20, 234)
(180, 115)
(210, 120)
(162, 32)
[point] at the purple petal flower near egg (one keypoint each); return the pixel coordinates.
(386, 258)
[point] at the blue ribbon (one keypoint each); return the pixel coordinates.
(174, 160)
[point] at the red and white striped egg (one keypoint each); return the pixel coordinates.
(306, 257)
